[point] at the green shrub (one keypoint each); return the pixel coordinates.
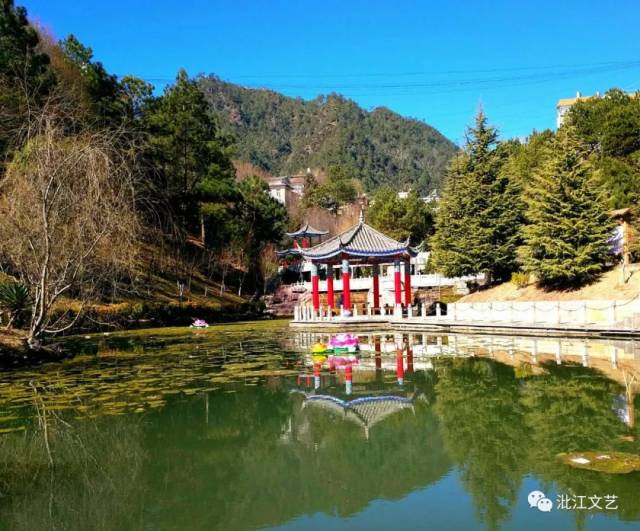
(520, 279)
(15, 299)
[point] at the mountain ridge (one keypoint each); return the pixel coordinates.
(284, 135)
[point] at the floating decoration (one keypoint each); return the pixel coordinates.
(342, 361)
(344, 342)
(319, 348)
(606, 462)
(199, 323)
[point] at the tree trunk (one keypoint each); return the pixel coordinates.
(254, 272)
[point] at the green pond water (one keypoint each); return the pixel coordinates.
(234, 427)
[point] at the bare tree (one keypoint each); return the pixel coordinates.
(67, 216)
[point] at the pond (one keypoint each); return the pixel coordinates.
(237, 427)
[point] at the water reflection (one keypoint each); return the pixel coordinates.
(240, 428)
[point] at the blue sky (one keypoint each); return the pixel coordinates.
(436, 61)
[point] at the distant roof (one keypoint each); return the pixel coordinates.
(360, 241)
(570, 101)
(307, 230)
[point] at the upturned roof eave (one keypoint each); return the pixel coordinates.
(356, 253)
(307, 230)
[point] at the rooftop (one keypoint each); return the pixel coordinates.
(307, 230)
(360, 241)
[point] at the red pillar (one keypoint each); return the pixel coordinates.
(346, 288)
(397, 282)
(399, 365)
(315, 287)
(330, 297)
(407, 283)
(378, 355)
(409, 358)
(376, 287)
(348, 378)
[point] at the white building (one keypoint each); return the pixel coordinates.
(563, 106)
(287, 189)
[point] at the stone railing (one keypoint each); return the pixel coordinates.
(603, 312)
(306, 313)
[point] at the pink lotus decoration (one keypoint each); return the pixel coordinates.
(199, 323)
(340, 362)
(344, 341)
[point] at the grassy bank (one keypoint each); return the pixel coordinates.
(610, 286)
(124, 316)
(144, 314)
(14, 351)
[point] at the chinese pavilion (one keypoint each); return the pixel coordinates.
(361, 244)
(302, 238)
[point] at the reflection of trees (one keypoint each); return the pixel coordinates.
(248, 455)
(570, 408)
(94, 482)
(483, 430)
(263, 460)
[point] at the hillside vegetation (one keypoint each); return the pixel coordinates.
(118, 206)
(609, 286)
(543, 206)
(284, 135)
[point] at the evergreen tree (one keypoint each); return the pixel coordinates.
(478, 218)
(611, 126)
(25, 76)
(567, 223)
(259, 219)
(194, 172)
(100, 91)
(401, 218)
(339, 189)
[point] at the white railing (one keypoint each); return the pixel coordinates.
(616, 314)
(603, 312)
(387, 282)
(306, 313)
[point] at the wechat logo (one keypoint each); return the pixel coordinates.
(539, 500)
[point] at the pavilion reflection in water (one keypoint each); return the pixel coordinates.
(402, 354)
(364, 412)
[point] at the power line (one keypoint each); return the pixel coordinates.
(610, 64)
(467, 82)
(447, 86)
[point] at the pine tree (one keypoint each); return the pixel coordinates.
(191, 159)
(567, 223)
(259, 219)
(478, 218)
(25, 74)
(401, 218)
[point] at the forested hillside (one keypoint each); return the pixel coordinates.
(114, 200)
(285, 135)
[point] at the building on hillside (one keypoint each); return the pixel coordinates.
(288, 189)
(563, 106)
(432, 197)
(280, 189)
(429, 198)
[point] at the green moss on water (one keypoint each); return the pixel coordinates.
(135, 371)
(605, 462)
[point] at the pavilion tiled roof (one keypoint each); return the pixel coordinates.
(366, 411)
(361, 240)
(306, 230)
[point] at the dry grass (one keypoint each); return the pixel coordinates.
(609, 287)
